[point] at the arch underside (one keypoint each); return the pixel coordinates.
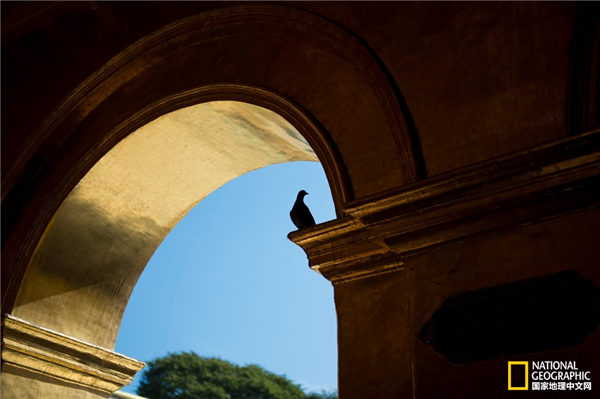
(89, 259)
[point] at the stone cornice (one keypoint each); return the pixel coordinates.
(521, 188)
(522, 165)
(42, 351)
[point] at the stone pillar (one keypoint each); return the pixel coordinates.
(41, 363)
(521, 226)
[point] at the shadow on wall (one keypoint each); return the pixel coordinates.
(65, 263)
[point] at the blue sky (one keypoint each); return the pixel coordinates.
(227, 282)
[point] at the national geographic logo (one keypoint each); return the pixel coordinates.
(547, 376)
(518, 376)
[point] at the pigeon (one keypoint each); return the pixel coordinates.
(300, 213)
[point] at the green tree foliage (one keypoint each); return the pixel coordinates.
(322, 395)
(186, 375)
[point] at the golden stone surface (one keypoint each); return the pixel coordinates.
(104, 233)
(30, 349)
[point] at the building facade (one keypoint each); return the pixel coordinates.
(461, 143)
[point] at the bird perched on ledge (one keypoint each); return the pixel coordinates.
(300, 214)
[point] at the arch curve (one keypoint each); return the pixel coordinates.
(99, 241)
(288, 60)
(309, 128)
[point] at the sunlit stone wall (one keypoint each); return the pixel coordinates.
(86, 265)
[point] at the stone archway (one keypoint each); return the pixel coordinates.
(90, 257)
(516, 199)
(281, 58)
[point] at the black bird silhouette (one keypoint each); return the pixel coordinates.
(300, 214)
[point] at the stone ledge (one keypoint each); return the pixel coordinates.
(518, 189)
(358, 268)
(51, 354)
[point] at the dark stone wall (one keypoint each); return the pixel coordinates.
(479, 80)
(380, 319)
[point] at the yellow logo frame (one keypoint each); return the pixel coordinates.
(526, 387)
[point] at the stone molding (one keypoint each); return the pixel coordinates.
(518, 189)
(51, 354)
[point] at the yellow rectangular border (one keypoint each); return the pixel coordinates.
(526, 387)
